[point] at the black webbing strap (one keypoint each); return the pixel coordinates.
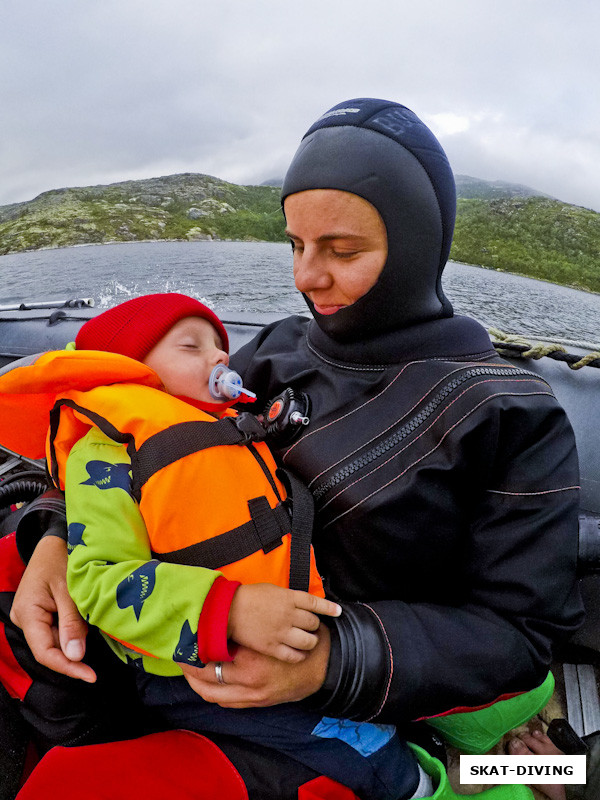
(100, 422)
(262, 532)
(268, 527)
(303, 514)
(184, 438)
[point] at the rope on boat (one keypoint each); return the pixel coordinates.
(514, 345)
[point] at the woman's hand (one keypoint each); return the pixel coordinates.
(256, 680)
(41, 597)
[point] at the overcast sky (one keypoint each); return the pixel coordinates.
(98, 91)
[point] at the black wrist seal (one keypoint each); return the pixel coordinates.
(359, 666)
(45, 516)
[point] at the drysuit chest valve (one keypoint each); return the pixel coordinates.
(285, 415)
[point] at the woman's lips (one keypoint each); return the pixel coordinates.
(325, 310)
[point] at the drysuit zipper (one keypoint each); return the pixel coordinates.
(321, 488)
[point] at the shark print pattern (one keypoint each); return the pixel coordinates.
(137, 587)
(186, 651)
(75, 536)
(105, 475)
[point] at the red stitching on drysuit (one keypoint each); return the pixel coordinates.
(389, 646)
(349, 413)
(532, 494)
(410, 466)
(424, 431)
(381, 433)
(479, 362)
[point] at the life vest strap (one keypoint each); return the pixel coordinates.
(185, 438)
(263, 532)
(99, 421)
(303, 513)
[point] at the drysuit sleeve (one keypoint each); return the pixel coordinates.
(398, 661)
(147, 608)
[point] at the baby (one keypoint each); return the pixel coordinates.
(160, 508)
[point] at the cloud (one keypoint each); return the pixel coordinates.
(108, 90)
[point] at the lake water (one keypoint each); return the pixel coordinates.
(257, 277)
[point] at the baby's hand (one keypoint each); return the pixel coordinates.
(276, 621)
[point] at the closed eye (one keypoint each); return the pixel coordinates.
(188, 346)
(296, 243)
(345, 253)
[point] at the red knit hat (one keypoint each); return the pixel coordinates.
(133, 328)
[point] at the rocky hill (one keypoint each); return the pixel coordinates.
(469, 188)
(187, 206)
(534, 236)
(499, 225)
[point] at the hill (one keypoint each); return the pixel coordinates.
(475, 188)
(534, 236)
(499, 225)
(186, 206)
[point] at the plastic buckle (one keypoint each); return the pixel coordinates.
(249, 427)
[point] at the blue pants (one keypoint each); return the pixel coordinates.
(370, 759)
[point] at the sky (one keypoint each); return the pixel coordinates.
(100, 91)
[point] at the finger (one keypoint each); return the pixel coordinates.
(22, 613)
(56, 660)
(299, 639)
(290, 655)
(318, 605)
(41, 638)
(72, 631)
(305, 620)
(233, 696)
(198, 678)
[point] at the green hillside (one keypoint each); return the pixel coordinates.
(475, 188)
(535, 236)
(191, 207)
(499, 225)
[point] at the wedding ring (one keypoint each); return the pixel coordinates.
(219, 671)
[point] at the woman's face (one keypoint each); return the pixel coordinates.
(340, 246)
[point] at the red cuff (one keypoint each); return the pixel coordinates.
(212, 626)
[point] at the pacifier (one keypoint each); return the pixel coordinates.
(226, 384)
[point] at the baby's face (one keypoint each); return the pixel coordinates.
(185, 357)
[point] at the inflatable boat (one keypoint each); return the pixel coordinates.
(572, 369)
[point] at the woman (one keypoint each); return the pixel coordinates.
(445, 481)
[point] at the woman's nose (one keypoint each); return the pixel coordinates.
(310, 272)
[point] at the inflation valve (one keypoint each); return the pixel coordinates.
(285, 415)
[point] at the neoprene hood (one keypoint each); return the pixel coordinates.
(382, 152)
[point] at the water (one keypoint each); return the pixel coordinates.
(229, 276)
(257, 277)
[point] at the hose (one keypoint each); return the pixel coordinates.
(21, 488)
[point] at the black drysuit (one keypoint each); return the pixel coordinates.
(445, 484)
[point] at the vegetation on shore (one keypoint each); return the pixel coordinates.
(536, 236)
(187, 207)
(499, 225)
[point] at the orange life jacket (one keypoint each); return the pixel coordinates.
(209, 491)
